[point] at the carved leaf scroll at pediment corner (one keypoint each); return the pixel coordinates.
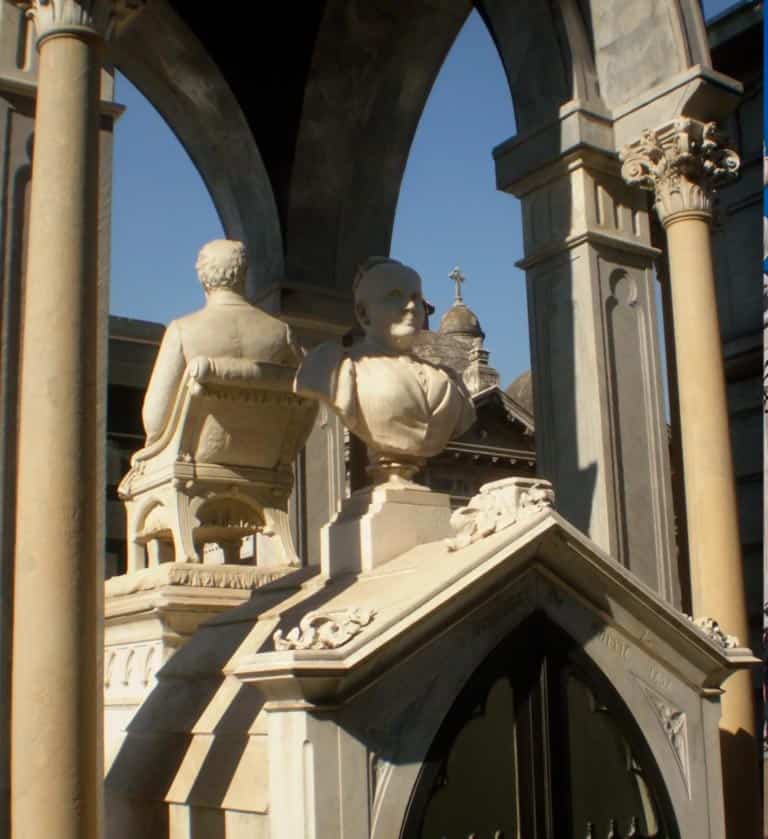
(499, 505)
(674, 724)
(324, 630)
(711, 628)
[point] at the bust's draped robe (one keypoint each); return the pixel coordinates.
(396, 404)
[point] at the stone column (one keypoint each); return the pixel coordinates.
(600, 431)
(683, 162)
(57, 648)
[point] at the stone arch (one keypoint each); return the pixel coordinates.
(371, 72)
(548, 61)
(165, 60)
(518, 659)
(357, 76)
(394, 782)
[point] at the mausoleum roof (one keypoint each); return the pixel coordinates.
(521, 390)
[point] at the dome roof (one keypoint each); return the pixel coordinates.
(461, 320)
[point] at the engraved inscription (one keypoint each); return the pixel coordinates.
(614, 643)
(659, 677)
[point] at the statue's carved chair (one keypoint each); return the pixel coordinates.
(222, 467)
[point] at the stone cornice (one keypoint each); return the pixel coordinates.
(592, 237)
(541, 562)
(195, 575)
(98, 18)
(683, 162)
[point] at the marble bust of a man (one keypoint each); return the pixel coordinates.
(227, 326)
(403, 408)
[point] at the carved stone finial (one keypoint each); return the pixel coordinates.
(683, 162)
(95, 17)
(324, 630)
(458, 278)
(498, 505)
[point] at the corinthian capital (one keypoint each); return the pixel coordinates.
(683, 162)
(95, 17)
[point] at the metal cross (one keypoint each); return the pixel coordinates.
(458, 278)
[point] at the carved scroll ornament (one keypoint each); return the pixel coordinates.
(324, 630)
(499, 505)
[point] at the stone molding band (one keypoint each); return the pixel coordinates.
(683, 162)
(81, 18)
(239, 578)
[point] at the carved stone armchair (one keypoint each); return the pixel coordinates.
(222, 467)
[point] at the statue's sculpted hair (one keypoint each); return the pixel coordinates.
(222, 264)
(364, 269)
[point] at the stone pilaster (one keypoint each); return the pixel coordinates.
(600, 430)
(683, 162)
(56, 677)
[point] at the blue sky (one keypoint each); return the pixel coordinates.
(449, 212)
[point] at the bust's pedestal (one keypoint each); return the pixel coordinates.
(378, 523)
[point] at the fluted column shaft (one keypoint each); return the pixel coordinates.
(683, 162)
(56, 763)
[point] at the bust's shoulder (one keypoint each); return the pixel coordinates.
(319, 370)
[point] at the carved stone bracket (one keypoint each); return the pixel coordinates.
(95, 17)
(498, 505)
(683, 162)
(711, 628)
(324, 630)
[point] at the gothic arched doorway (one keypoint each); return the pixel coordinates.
(538, 744)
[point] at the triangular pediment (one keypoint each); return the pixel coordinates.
(332, 643)
(514, 412)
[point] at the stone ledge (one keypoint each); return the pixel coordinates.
(195, 575)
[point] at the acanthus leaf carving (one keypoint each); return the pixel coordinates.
(499, 505)
(674, 724)
(324, 630)
(711, 628)
(683, 162)
(99, 17)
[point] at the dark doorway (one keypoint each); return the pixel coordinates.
(539, 746)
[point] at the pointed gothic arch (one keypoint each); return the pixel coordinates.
(538, 742)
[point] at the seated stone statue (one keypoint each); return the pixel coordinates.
(223, 428)
(228, 325)
(404, 409)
